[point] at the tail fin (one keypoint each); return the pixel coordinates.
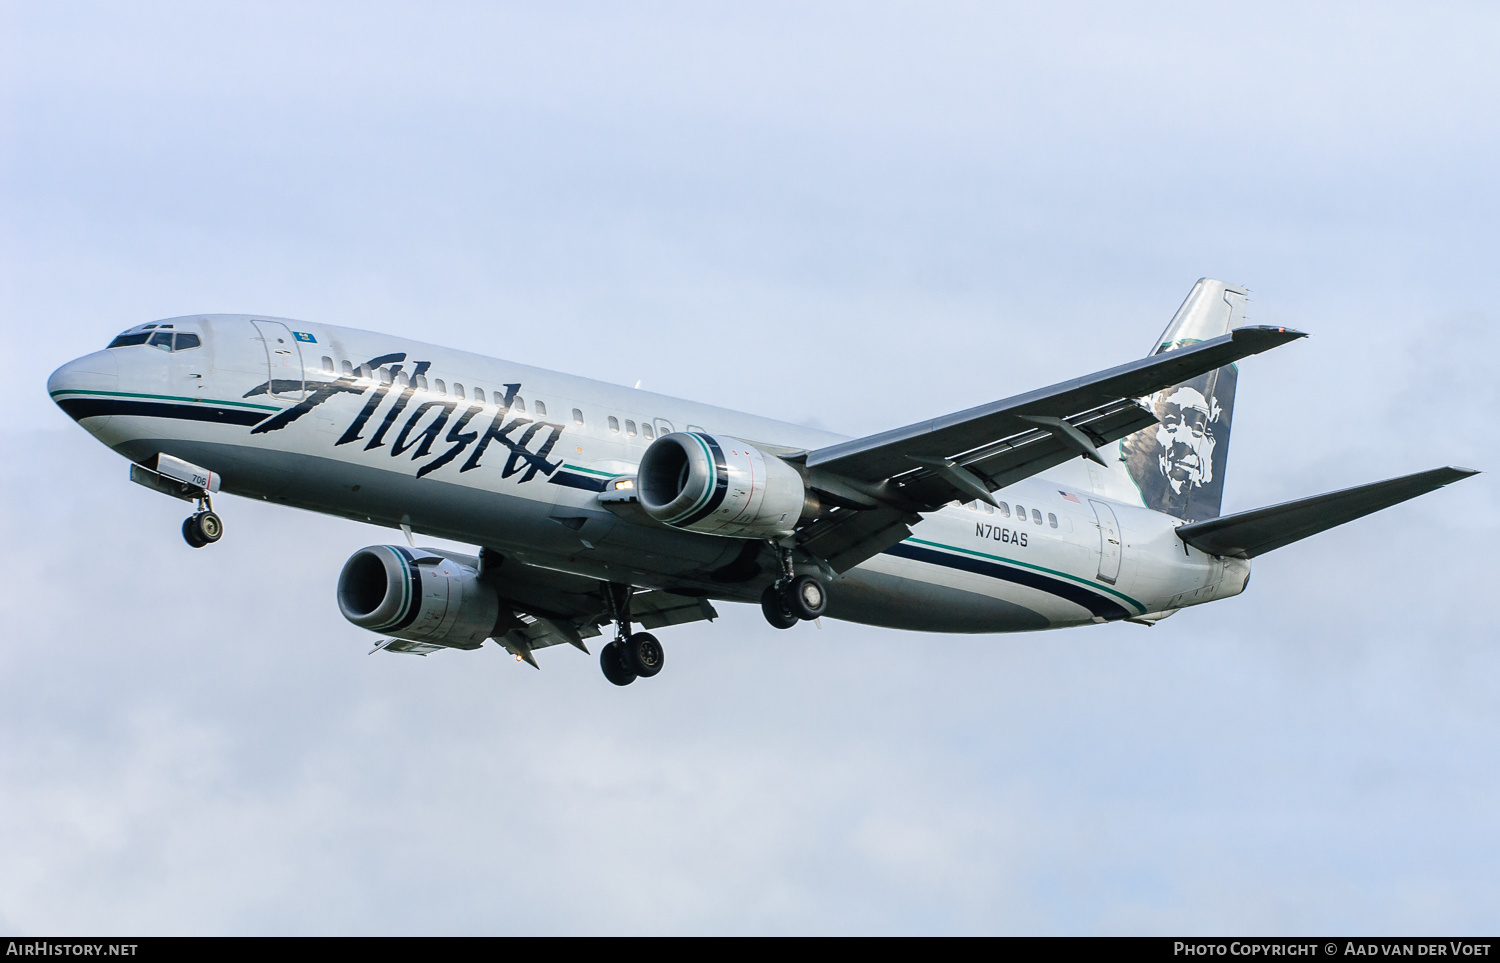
(1178, 465)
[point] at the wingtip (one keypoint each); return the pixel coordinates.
(1278, 335)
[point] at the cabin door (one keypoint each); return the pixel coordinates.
(283, 358)
(1109, 542)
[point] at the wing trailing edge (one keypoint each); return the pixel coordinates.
(1252, 533)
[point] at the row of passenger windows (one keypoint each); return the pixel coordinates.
(476, 393)
(1036, 514)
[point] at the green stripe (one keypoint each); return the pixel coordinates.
(136, 394)
(713, 479)
(405, 593)
(592, 471)
(1039, 568)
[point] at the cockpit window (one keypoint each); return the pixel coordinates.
(160, 338)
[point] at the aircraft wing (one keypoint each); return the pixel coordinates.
(1248, 534)
(552, 608)
(881, 483)
(959, 435)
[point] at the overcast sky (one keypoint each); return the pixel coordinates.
(851, 215)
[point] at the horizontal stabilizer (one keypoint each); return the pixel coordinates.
(1257, 532)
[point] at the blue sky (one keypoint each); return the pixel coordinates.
(854, 215)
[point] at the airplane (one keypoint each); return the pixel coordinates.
(591, 504)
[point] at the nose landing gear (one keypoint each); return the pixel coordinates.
(203, 527)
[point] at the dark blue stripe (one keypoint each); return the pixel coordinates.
(570, 479)
(721, 486)
(415, 607)
(1073, 592)
(81, 408)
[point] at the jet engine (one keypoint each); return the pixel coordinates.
(720, 486)
(419, 596)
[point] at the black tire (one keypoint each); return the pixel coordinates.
(210, 527)
(807, 598)
(612, 662)
(190, 532)
(644, 655)
(776, 608)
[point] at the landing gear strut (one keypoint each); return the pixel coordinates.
(631, 655)
(203, 527)
(793, 598)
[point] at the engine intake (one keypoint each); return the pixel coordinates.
(418, 596)
(721, 486)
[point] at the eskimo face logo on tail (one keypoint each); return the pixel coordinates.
(1178, 465)
(414, 436)
(1186, 437)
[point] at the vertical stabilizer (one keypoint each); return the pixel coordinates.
(1178, 465)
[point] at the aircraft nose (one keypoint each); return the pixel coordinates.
(91, 377)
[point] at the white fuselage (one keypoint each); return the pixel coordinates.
(427, 441)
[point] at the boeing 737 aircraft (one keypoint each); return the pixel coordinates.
(1094, 500)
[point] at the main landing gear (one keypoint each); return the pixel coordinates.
(203, 527)
(632, 655)
(793, 598)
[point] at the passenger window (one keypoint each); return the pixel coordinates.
(385, 375)
(614, 424)
(1036, 515)
(365, 373)
(1004, 510)
(694, 428)
(401, 381)
(422, 382)
(519, 404)
(162, 339)
(577, 417)
(541, 410)
(458, 390)
(347, 369)
(127, 340)
(629, 427)
(1052, 519)
(479, 395)
(664, 427)
(328, 364)
(185, 341)
(1020, 513)
(646, 430)
(989, 509)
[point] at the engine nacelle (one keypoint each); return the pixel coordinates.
(417, 595)
(721, 486)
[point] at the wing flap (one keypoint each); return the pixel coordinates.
(653, 610)
(1248, 534)
(1021, 456)
(846, 537)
